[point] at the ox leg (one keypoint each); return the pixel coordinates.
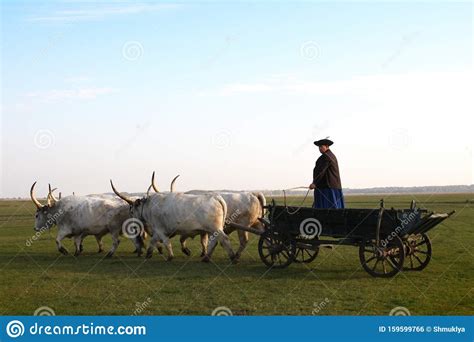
(115, 244)
(159, 247)
(243, 239)
(184, 248)
(204, 243)
(139, 245)
(78, 244)
(153, 243)
(169, 248)
(81, 247)
(210, 248)
(61, 235)
(157, 244)
(99, 243)
(225, 242)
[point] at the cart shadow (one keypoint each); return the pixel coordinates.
(182, 268)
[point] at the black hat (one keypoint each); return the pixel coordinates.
(324, 141)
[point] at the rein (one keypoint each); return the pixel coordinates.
(301, 205)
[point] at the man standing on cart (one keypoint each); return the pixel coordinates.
(326, 179)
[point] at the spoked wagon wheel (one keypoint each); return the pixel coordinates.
(382, 261)
(417, 252)
(276, 252)
(306, 255)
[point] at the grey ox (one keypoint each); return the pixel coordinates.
(79, 216)
(170, 214)
(243, 208)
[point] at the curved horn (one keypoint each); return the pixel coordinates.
(52, 191)
(128, 200)
(51, 196)
(33, 197)
(148, 191)
(153, 182)
(60, 195)
(172, 183)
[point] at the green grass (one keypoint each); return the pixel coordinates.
(38, 275)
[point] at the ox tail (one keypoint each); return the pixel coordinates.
(262, 200)
(224, 208)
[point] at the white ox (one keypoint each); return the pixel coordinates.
(243, 208)
(79, 216)
(172, 214)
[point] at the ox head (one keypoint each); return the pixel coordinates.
(136, 205)
(45, 216)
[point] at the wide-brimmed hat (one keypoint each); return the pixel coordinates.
(324, 141)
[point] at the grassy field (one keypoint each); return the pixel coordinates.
(334, 284)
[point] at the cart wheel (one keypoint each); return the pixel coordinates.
(306, 255)
(381, 261)
(417, 252)
(275, 252)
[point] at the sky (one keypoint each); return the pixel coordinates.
(231, 95)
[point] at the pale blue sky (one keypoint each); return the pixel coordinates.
(231, 95)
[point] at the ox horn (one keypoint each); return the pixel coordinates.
(128, 200)
(51, 199)
(172, 183)
(153, 182)
(148, 191)
(33, 197)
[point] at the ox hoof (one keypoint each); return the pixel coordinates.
(160, 250)
(100, 250)
(148, 255)
(186, 251)
(206, 259)
(81, 248)
(135, 251)
(63, 251)
(169, 258)
(109, 255)
(77, 253)
(235, 258)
